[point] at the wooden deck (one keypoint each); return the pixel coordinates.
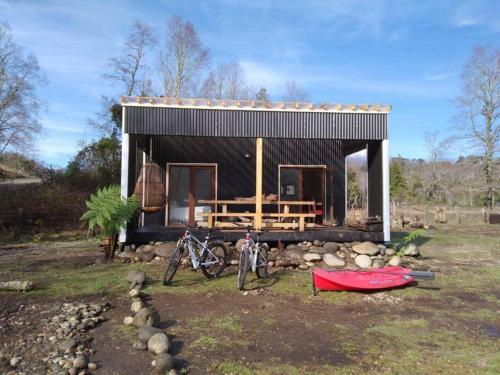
(331, 233)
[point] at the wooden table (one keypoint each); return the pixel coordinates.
(286, 211)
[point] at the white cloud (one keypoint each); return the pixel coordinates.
(437, 76)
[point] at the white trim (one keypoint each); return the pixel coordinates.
(143, 185)
(386, 211)
(185, 165)
(124, 176)
(345, 190)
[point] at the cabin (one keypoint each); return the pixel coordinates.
(228, 164)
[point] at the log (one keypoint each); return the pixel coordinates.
(17, 285)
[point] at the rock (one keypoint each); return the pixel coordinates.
(136, 306)
(234, 262)
(331, 247)
(378, 263)
(145, 248)
(144, 317)
(159, 343)
(333, 260)
(136, 277)
(295, 253)
(411, 250)
(128, 320)
(303, 267)
(366, 248)
(395, 261)
(146, 256)
(80, 362)
(67, 345)
(310, 264)
(92, 366)
(163, 362)
(145, 333)
(363, 261)
(291, 246)
(307, 244)
(126, 255)
(239, 244)
(270, 263)
(318, 250)
(15, 360)
(139, 345)
(389, 251)
(311, 257)
(135, 292)
(165, 250)
(317, 243)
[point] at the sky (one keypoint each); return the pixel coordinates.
(405, 53)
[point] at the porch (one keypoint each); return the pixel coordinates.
(323, 233)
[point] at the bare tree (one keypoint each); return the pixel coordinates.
(295, 93)
(436, 150)
(182, 60)
(19, 104)
(129, 69)
(226, 81)
(479, 110)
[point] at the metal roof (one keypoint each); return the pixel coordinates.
(247, 105)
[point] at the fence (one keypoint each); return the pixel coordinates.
(22, 220)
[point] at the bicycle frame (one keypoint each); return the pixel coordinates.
(254, 247)
(188, 239)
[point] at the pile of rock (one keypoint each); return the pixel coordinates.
(71, 340)
(305, 255)
(154, 251)
(145, 319)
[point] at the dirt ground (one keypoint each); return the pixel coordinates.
(450, 325)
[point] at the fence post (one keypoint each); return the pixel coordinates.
(19, 225)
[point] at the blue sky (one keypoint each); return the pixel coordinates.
(405, 53)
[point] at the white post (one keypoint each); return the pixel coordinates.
(386, 211)
(345, 192)
(124, 176)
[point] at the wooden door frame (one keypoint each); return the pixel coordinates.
(323, 167)
(167, 184)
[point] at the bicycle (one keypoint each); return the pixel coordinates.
(253, 256)
(210, 256)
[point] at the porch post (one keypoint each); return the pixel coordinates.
(258, 184)
(386, 213)
(124, 176)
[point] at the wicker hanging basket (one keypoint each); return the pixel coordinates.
(149, 189)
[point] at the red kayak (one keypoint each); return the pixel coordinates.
(380, 278)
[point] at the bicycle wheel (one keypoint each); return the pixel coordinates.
(262, 271)
(217, 253)
(243, 267)
(173, 264)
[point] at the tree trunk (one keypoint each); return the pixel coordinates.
(110, 249)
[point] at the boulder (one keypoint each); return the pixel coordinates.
(331, 247)
(395, 261)
(67, 345)
(333, 260)
(389, 251)
(146, 256)
(136, 277)
(311, 257)
(163, 362)
(310, 264)
(363, 261)
(317, 250)
(139, 345)
(126, 255)
(80, 362)
(135, 292)
(366, 248)
(158, 343)
(317, 243)
(411, 250)
(291, 246)
(378, 263)
(145, 333)
(144, 317)
(128, 320)
(239, 244)
(303, 267)
(165, 250)
(295, 253)
(145, 249)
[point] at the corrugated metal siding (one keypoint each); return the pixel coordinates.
(267, 124)
(236, 173)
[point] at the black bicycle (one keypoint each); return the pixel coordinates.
(254, 256)
(210, 256)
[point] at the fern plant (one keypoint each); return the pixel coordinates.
(107, 210)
